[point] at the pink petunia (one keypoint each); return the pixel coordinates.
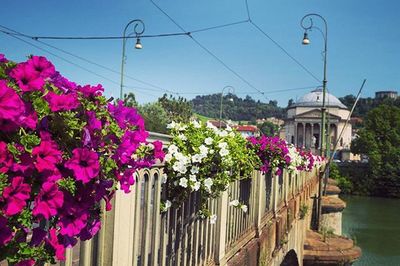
(26, 78)
(90, 230)
(64, 102)
(84, 163)
(126, 116)
(62, 83)
(72, 220)
(41, 65)
(11, 105)
(3, 59)
(91, 91)
(28, 118)
(59, 249)
(15, 196)
(28, 262)
(127, 179)
(5, 231)
(6, 159)
(46, 156)
(48, 201)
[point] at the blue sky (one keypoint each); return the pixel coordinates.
(363, 42)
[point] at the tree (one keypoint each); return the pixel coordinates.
(130, 100)
(269, 128)
(179, 110)
(380, 141)
(155, 117)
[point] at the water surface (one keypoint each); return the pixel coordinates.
(375, 225)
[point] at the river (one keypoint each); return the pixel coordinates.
(375, 225)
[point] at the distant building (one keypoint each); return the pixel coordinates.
(247, 130)
(303, 123)
(386, 94)
(273, 120)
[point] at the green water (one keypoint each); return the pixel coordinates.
(375, 225)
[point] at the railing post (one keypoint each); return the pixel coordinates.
(260, 198)
(220, 238)
(275, 185)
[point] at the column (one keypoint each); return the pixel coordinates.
(295, 133)
(304, 134)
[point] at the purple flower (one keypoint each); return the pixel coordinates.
(91, 91)
(5, 231)
(126, 116)
(3, 59)
(28, 118)
(27, 262)
(64, 102)
(41, 65)
(62, 83)
(46, 155)
(27, 78)
(11, 105)
(48, 201)
(38, 235)
(90, 230)
(72, 220)
(93, 123)
(126, 180)
(84, 163)
(15, 196)
(6, 159)
(59, 249)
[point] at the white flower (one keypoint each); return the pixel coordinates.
(223, 152)
(234, 203)
(164, 178)
(183, 182)
(203, 150)
(172, 149)
(173, 124)
(196, 124)
(182, 128)
(211, 151)
(231, 134)
(228, 128)
(196, 186)
(168, 204)
(192, 178)
(222, 145)
(213, 219)
(222, 133)
(244, 208)
(182, 137)
(197, 158)
(208, 141)
(194, 170)
(150, 146)
(179, 167)
(211, 126)
(208, 182)
(168, 157)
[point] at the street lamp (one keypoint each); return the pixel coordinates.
(138, 30)
(308, 27)
(230, 90)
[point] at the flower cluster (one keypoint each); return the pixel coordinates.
(206, 159)
(276, 154)
(64, 148)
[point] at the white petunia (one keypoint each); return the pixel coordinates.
(213, 219)
(173, 124)
(197, 158)
(196, 186)
(182, 137)
(222, 133)
(208, 182)
(244, 208)
(222, 145)
(168, 157)
(234, 203)
(183, 182)
(172, 149)
(203, 150)
(211, 151)
(196, 124)
(192, 178)
(223, 152)
(228, 128)
(208, 141)
(168, 204)
(211, 126)
(194, 170)
(231, 134)
(164, 178)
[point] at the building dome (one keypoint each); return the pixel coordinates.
(314, 98)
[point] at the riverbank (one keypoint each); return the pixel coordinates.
(373, 223)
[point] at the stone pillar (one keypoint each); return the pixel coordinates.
(295, 133)
(332, 207)
(304, 134)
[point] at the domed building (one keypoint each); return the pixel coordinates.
(303, 122)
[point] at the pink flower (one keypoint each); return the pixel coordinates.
(126, 180)
(46, 155)
(91, 91)
(28, 262)
(62, 83)
(11, 105)
(158, 151)
(64, 102)
(84, 163)
(15, 196)
(3, 59)
(27, 78)
(73, 219)
(126, 116)
(90, 230)
(48, 200)
(6, 159)
(59, 249)
(41, 65)
(5, 231)
(28, 118)
(93, 122)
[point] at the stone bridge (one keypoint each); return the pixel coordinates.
(274, 231)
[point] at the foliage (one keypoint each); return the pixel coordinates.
(178, 110)
(303, 211)
(343, 182)
(269, 129)
(63, 149)
(380, 141)
(239, 109)
(206, 159)
(155, 117)
(130, 100)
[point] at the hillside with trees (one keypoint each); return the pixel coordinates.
(236, 108)
(365, 105)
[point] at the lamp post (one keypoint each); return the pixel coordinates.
(308, 27)
(230, 90)
(138, 30)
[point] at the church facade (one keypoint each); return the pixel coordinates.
(303, 123)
